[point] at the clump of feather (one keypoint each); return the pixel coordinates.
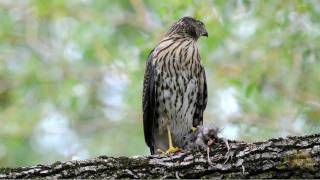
(204, 138)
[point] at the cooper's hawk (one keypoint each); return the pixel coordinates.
(174, 89)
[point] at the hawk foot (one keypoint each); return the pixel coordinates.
(194, 129)
(172, 150)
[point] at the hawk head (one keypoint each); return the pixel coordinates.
(188, 26)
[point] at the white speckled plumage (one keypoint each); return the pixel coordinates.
(178, 95)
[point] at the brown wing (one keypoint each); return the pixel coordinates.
(148, 103)
(201, 103)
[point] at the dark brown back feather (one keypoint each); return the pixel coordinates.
(201, 103)
(148, 101)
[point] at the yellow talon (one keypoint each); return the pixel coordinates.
(171, 149)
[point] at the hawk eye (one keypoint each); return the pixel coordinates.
(200, 23)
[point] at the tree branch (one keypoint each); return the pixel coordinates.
(292, 157)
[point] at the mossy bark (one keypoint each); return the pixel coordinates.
(291, 157)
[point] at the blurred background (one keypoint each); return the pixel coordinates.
(71, 72)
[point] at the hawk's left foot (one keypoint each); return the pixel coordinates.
(194, 129)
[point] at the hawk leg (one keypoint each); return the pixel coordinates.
(171, 148)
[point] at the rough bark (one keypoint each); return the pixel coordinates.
(291, 157)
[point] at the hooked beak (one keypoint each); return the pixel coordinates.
(205, 34)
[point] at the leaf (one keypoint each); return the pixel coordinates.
(251, 88)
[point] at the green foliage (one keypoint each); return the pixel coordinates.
(71, 72)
